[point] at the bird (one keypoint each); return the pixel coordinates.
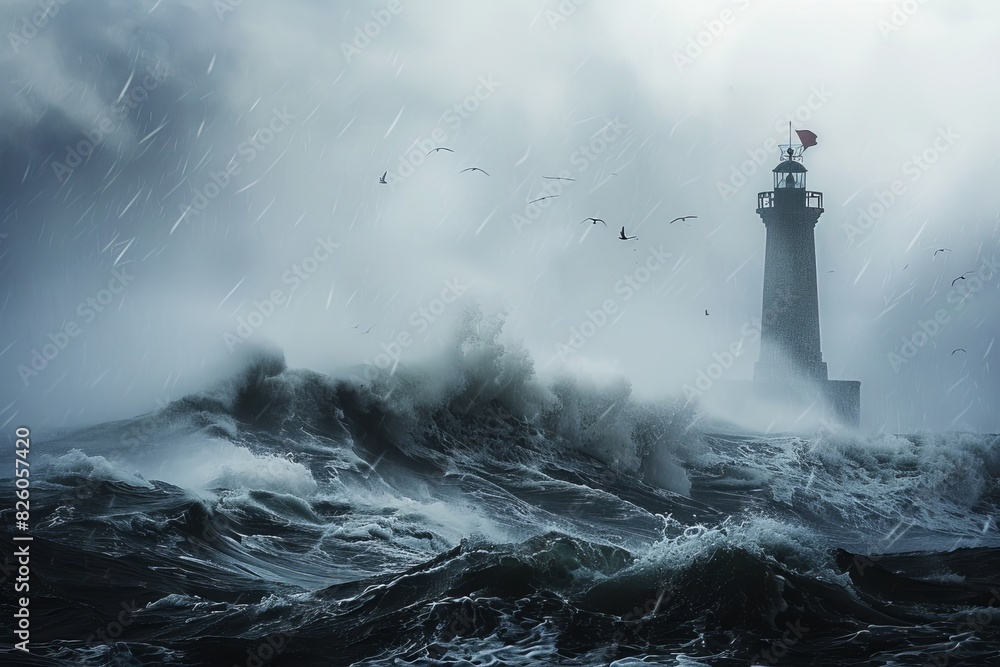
(706, 313)
(358, 324)
(682, 218)
(961, 277)
(440, 148)
(558, 178)
(626, 238)
(941, 250)
(369, 329)
(596, 220)
(958, 349)
(382, 178)
(541, 198)
(472, 169)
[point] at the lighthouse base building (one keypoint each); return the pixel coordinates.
(829, 405)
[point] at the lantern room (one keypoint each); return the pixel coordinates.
(789, 174)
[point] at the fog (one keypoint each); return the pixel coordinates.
(183, 181)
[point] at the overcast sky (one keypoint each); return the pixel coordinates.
(172, 167)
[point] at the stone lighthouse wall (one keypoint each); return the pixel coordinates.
(790, 335)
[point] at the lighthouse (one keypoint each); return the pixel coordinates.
(789, 327)
(790, 368)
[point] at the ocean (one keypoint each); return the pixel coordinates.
(464, 512)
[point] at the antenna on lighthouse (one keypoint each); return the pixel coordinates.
(792, 151)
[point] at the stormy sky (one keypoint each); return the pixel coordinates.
(183, 180)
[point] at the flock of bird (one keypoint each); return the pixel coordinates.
(366, 331)
(961, 277)
(622, 236)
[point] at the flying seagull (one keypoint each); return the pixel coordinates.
(959, 349)
(683, 218)
(382, 178)
(358, 324)
(541, 198)
(706, 313)
(941, 250)
(472, 169)
(369, 329)
(558, 178)
(441, 148)
(626, 238)
(961, 277)
(596, 220)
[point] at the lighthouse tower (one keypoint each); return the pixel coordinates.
(791, 367)
(789, 333)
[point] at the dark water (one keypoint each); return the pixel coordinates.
(468, 515)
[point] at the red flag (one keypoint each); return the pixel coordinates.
(807, 137)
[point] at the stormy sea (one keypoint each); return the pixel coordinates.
(462, 511)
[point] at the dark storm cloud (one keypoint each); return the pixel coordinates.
(80, 60)
(85, 93)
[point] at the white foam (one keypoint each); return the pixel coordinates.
(199, 463)
(75, 462)
(767, 538)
